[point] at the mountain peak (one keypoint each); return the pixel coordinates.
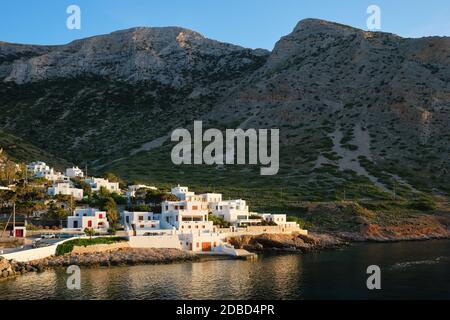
(314, 25)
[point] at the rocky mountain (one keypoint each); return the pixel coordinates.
(171, 56)
(361, 114)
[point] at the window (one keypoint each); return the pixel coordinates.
(194, 207)
(198, 244)
(141, 218)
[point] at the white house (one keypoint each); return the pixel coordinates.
(97, 183)
(38, 166)
(232, 211)
(141, 223)
(279, 220)
(89, 218)
(65, 189)
(185, 216)
(182, 193)
(52, 175)
(211, 198)
(74, 172)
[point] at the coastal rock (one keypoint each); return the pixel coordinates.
(4, 264)
(286, 242)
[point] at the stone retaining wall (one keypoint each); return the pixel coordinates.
(100, 248)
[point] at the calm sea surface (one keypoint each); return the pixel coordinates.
(410, 270)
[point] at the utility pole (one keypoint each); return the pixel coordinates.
(14, 219)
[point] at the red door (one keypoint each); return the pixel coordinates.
(90, 224)
(19, 233)
(206, 246)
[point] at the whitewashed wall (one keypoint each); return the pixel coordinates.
(34, 254)
(159, 242)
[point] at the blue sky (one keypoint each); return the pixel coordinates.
(250, 23)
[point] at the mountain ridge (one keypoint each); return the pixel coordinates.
(354, 108)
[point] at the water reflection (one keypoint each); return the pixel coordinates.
(409, 270)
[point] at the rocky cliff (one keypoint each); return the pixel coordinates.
(361, 114)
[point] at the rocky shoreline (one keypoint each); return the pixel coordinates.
(120, 257)
(298, 243)
(287, 242)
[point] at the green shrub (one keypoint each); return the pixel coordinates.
(68, 246)
(298, 220)
(218, 221)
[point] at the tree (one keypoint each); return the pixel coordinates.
(87, 189)
(8, 170)
(55, 212)
(112, 213)
(155, 197)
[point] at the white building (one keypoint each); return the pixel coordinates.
(232, 211)
(89, 218)
(141, 223)
(52, 175)
(279, 220)
(185, 216)
(97, 183)
(182, 193)
(74, 172)
(65, 189)
(211, 198)
(38, 166)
